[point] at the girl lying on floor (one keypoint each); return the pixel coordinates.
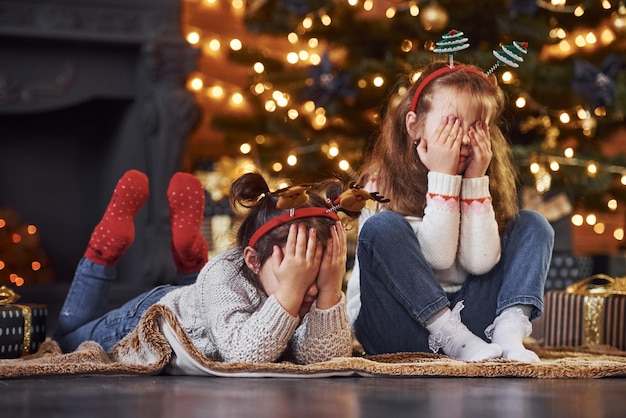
(276, 295)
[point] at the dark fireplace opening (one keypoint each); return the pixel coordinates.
(52, 167)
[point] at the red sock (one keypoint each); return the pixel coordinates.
(116, 231)
(186, 199)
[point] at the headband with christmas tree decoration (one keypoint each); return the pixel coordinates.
(455, 41)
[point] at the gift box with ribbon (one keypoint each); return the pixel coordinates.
(591, 311)
(22, 326)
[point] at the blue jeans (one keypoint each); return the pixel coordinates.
(399, 291)
(83, 316)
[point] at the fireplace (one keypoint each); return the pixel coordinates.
(88, 90)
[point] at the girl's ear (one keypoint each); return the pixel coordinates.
(251, 258)
(411, 125)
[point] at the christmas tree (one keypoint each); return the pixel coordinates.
(348, 55)
(319, 74)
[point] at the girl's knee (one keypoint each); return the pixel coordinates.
(384, 225)
(536, 223)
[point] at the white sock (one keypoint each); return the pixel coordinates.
(509, 330)
(456, 340)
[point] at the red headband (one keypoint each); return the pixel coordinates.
(290, 216)
(437, 73)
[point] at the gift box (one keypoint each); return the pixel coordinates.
(590, 311)
(22, 326)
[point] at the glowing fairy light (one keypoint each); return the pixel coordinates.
(534, 168)
(193, 38)
(216, 92)
(599, 228)
(292, 58)
(245, 148)
(258, 67)
(258, 88)
(577, 220)
(315, 59)
(235, 44)
(554, 165)
(507, 77)
(270, 106)
(292, 114)
(196, 84)
(215, 45)
(236, 98)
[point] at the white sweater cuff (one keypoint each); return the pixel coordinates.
(475, 188)
(444, 184)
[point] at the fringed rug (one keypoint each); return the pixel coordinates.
(147, 351)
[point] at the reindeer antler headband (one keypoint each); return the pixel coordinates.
(454, 41)
(352, 200)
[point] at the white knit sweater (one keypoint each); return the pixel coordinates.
(458, 233)
(231, 320)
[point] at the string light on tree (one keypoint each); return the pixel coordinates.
(433, 17)
(618, 19)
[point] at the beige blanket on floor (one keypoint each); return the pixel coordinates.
(147, 351)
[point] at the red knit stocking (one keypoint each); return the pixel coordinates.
(116, 231)
(186, 199)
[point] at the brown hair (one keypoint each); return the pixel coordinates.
(250, 196)
(401, 175)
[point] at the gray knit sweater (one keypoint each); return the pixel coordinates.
(229, 319)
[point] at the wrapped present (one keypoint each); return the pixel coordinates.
(590, 311)
(22, 326)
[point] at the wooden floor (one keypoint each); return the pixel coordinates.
(205, 397)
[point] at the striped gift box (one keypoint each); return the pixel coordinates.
(585, 314)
